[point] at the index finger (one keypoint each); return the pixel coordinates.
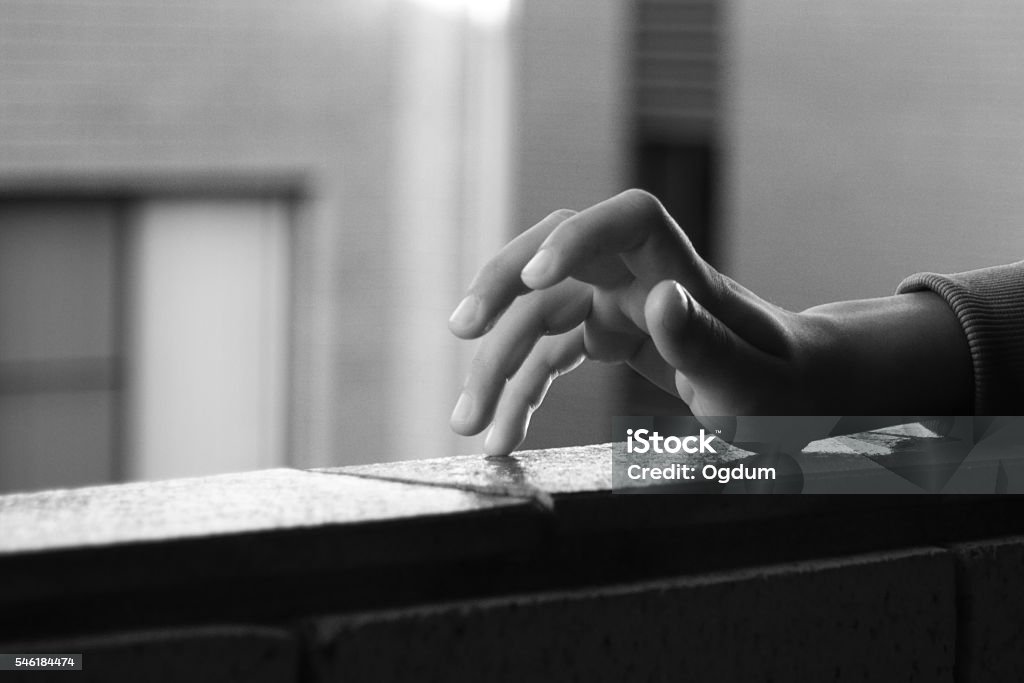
(632, 226)
(498, 283)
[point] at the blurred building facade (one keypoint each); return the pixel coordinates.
(243, 143)
(231, 233)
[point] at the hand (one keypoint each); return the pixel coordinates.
(620, 282)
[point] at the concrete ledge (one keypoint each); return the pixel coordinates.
(255, 545)
(284, 544)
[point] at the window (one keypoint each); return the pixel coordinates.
(60, 343)
(142, 338)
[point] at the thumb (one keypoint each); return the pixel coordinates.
(720, 365)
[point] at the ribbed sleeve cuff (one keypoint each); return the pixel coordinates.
(990, 306)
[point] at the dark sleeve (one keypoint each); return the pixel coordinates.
(990, 306)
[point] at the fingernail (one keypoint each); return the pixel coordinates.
(681, 293)
(463, 409)
(538, 267)
(465, 313)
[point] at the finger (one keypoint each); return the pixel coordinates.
(610, 333)
(723, 367)
(635, 228)
(553, 356)
(504, 350)
(648, 362)
(685, 389)
(498, 283)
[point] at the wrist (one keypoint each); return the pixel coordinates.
(897, 355)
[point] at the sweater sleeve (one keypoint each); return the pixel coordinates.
(989, 303)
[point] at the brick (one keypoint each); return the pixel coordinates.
(197, 655)
(990, 583)
(873, 617)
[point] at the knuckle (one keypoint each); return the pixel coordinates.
(566, 225)
(643, 201)
(562, 214)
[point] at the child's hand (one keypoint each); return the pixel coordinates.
(620, 281)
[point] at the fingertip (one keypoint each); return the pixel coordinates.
(462, 419)
(539, 271)
(462, 430)
(465, 320)
(502, 439)
(667, 307)
(669, 314)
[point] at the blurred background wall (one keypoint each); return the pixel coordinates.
(867, 141)
(231, 233)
